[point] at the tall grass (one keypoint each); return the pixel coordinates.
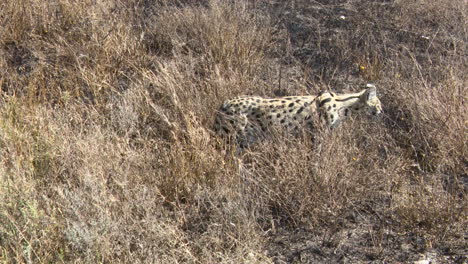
(107, 152)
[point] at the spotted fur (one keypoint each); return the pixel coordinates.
(250, 117)
(335, 108)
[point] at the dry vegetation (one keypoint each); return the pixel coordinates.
(107, 152)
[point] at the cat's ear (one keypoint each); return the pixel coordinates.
(371, 91)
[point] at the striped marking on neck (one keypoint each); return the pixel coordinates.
(347, 98)
(324, 102)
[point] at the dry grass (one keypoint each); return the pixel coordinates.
(107, 152)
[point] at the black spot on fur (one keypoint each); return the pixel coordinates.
(306, 104)
(282, 121)
(329, 107)
(278, 115)
(300, 110)
(331, 117)
(271, 106)
(258, 100)
(324, 102)
(346, 112)
(291, 105)
(298, 101)
(308, 117)
(225, 129)
(283, 102)
(290, 110)
(334, 105)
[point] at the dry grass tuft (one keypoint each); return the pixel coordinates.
(107, 152)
